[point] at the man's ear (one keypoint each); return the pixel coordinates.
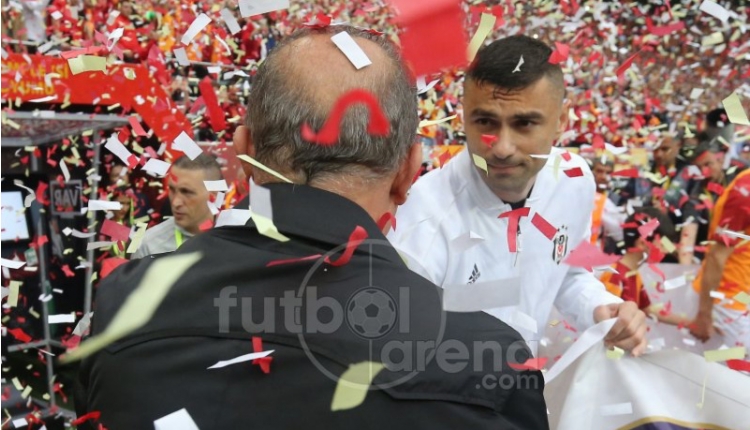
(562, 124)
(406, 174)
(243, 145)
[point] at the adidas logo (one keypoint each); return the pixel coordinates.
(475, 274)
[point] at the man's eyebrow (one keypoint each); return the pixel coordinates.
(529, 116)
(483, 113)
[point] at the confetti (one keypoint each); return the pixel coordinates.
(573, 172)
(560, 54)
(181, 56)
(353, 385)
(215, 112)
(198, 24)
(437, 121)
(176, 420)
(355, 239)
(87, 63)
(230, 21)
(514, 217)
(241, 359)
(735, 111)
(737, 353)
(518, 67)
(116, 147)
(255, 163)
(589, 256)
(258, 7)
(156, 167)
(62, 318)
(140, 305)
(615, 353)
(262, 213)
(627, 173)
(486, 24)
(11, 264)
(480, 162)
(186, 144)
(116, 231)
(104, 205)
(715, 10)
(541, 224)
(616, 409)
(353, 52)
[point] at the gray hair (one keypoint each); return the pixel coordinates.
(278, 107)
(207, 163)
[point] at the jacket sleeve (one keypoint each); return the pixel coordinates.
(581, 292)
(526, 407)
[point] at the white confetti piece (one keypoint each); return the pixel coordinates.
(83, 325)
(695, 93)
(65, 171)
(184, 143)
(671, 284)
(518, 67)
(116, 147)
(353, 52)
(11, 264)
(230, 21)
(257, 7)
(241, 359)
(180, 420)
(156, 167)
(196, 27)
(181, 56)
(233, 217)
(220, 185)
(98, 245)
(715, 10)
(104, 205)
(61, 318)
(262, 212)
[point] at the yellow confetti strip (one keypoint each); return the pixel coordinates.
(615, 354)
(436, 121)
(668, 245)
(735, 111)
(737, 353)
(87, 63)
(742, 297)
(353, 385)
(255, 163)
(13, 295)
(712, 39)
(129, 74)
(266, 227)
(140, 305)
(481, 163)
(486, 24)
(137, 238)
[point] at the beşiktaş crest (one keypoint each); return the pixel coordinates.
(560, 244)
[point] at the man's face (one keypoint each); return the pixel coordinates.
(523, 122)
(745, 155)
(710, 165)
(188, 197)
(602, 174)
(666, 154)
(117, 176)
(124, 211)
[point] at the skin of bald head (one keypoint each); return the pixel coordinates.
(298, 84)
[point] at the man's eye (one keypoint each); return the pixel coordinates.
(524, 123)
(483, 122)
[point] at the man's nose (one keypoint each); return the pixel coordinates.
(504, 146)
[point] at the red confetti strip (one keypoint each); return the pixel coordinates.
(137, 127)
(530, 364)
(265, 362)
(658, 271)
(355, 239)
(384, 219)
(444, 158)
(206, 225)
(588, 256)
(739, 365)
(566, 156)
(513, 217)
(215, 113)
(715, 188)
(292, 260)
(436, 38)
(646, 230)
(560, 54)
(115, 230)
(66, 270)
(110, 264)
(489, 140)
(627, 173)
(319, 21)
(89, 416)
(329, 134)
(626, 64)
(541, 224)
(666, 29)
(574, 172)
(19, 335)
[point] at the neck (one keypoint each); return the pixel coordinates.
(371, 195)
(631, 260)
(514, 196)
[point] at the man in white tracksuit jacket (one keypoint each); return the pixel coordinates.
(454, 228)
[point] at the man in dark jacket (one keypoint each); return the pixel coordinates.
(324, 290)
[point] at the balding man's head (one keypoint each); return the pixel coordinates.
(300, 82)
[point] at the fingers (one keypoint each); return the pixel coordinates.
(719, 331)
(629, 318)
(634, 340)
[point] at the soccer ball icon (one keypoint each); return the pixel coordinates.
(371, 313)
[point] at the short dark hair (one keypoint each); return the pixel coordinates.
(205, 162)
(607, 162)
(643, 215)
(277, 108)
(494, 64)
(692, 153)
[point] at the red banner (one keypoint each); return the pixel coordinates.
(50, 80)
